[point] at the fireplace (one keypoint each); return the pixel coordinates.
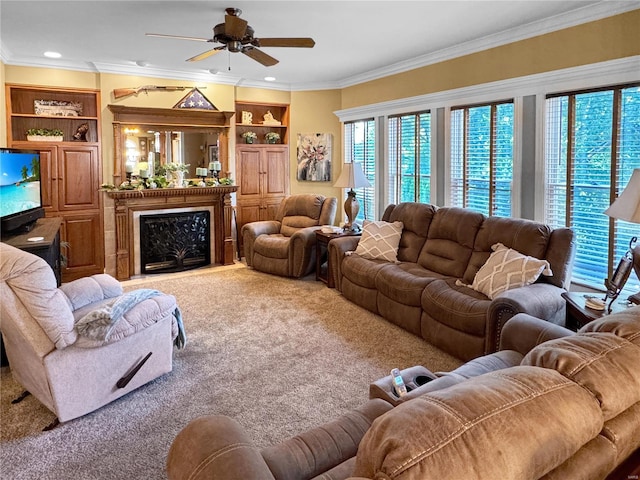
(172, 242)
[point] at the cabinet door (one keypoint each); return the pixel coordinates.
(276, 171)
(79, 177)
(249, 171)
(85, 250)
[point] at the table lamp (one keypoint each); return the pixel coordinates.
(627, 207)
(351, 177)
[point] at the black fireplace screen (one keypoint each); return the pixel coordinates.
(172, 242)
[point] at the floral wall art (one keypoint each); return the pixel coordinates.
(314, 157)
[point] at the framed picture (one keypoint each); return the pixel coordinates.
(213, 153)
(314, 157)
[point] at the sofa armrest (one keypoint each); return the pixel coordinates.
(335, 253)
(541, 300)
(316, 451)
(86, 290)
(302, 245)
(523, 332)
(251, 231)
(215, 447)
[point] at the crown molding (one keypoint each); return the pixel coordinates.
(586, 76)
(582, 15)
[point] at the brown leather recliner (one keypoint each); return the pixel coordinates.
(286, 246)
(551, 404)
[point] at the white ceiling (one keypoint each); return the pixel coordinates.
(355, 40)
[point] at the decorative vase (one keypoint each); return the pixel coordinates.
(179, 179)
(272, 140)
(248, 140)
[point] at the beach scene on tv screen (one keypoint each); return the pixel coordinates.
(19, 182)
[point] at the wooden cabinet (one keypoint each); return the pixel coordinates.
(70, 170)
(263, 181)
(257, 111)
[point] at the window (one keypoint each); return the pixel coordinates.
(409, 139)
(482, 158)
(359, 147)
(592, 145)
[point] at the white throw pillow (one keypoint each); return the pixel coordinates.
(506, 269)
(380, 240)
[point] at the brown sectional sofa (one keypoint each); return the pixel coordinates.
(550, 405)
(440, 246)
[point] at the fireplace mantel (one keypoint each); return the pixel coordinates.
(128, 201)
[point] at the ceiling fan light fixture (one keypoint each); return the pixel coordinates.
(234, 46)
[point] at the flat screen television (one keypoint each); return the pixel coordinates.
(20, 192)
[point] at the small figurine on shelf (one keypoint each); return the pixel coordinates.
(81, 133)
(268, 119)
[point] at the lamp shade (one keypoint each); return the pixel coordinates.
(352, 176)
(627, 205)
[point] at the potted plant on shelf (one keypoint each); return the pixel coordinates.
(44, 135)
(249, 137)
(272, 137)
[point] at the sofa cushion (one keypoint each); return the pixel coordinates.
(380, 240)
(306, 205)
(526, 236)
(450, 241)
(506, 269)
(602, 363)
(405, 282)
(142, 315)
(456, 306)
(34, 285)
(272, 246)
(362, 271)
(416, 218)
(292, 224)
(487, 427)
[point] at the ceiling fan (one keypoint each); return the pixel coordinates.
(236, 35)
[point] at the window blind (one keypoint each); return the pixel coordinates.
(409, 154)
(359, 147)
(592, 145)
(482, 157)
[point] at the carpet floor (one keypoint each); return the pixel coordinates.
(281, 356)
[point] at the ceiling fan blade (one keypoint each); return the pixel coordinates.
(206, 54)
(235, 27)
(180, 37)
(285, 42)
(259, 56)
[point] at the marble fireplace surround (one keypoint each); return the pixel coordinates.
(128, 205)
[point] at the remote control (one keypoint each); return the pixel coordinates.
(398, 383)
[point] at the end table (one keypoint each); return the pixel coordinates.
(322, 246)
(579, 315)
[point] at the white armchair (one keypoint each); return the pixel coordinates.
(70, 371)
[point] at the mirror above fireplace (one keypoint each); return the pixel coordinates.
(173, 134)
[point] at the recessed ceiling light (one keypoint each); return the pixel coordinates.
(142, 63)
(270, 79)
(213, 71)
(52, 54)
